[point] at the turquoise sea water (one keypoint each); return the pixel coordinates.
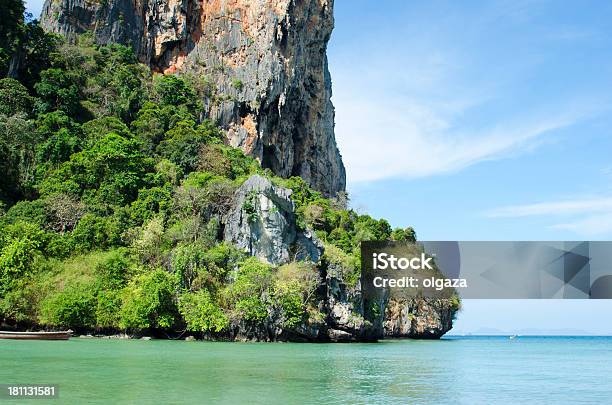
(469, 370)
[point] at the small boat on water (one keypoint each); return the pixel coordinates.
(62, 335)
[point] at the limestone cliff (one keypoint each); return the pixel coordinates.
(262, 223)
(261, 69)
(261, 64)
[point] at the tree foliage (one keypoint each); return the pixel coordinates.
(114, 194)
(149, 302)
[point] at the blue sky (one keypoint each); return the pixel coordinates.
(477, 121)
(480, 121)
(34, 7)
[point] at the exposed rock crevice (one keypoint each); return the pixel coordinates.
(266, 61)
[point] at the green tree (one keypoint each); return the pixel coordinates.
(32, 52)
(107, 310)
(73, 307)
(57, 90)
(111, 277)
(60, 136)
(92, 130)
(21, 244)
(173, 90)
(11, 23)
(116, 84)
(294, 286)
(149, 245)
(14, 98)
(154, 120)
(149, 302)
(183, 142)
(18, 143)
(111, 171)
(31, 212)
(97, 232)
(113, 272)
(368, 228)
(19, 304)
(247, 292)
(404, 235)
(202, 313)
(151, 202)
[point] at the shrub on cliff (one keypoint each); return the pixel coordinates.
(247, 294)
(149, 301)
(343, 265)
(74, 306)
(201, 313)
(14, 98)
(294, 286)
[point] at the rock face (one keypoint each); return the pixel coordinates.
(345, 318)
(261, 66)
(418, 318)
(262, 223)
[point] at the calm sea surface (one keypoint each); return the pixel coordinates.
(470, 370)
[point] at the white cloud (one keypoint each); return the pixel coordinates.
(584, 216)
(577, 206)
(592, 225)
(384, 137)
(425, 99)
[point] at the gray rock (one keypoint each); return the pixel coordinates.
(336, 335)
(308, 246)
(265, 63)
(422, 318)
(344, 305)
(262, 223)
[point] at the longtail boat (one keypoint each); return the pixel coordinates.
(62, 335)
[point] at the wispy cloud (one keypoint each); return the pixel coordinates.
(584, 216)
(577, 206)
(401, 138)
(592, 225)
(452, 94)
